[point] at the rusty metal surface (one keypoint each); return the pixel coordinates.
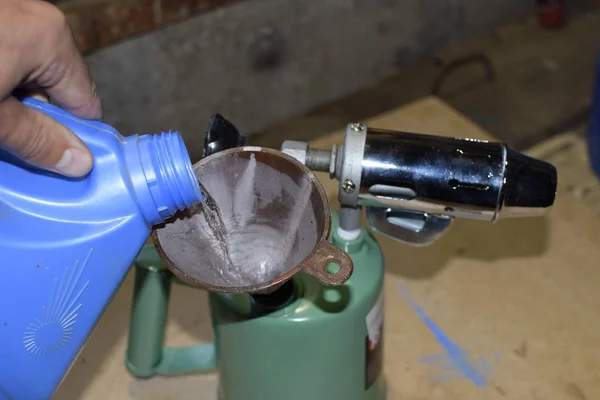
(325, 253)
(98, 23)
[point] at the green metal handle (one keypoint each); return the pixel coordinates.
(183, 360)
(146, 355)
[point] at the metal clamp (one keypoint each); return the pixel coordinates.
(349, 172)
(411, 227)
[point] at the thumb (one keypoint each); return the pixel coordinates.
(41, 141)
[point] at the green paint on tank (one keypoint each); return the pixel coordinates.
(313, 348)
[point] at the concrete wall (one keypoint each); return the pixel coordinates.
(262, 61)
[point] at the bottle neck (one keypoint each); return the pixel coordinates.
(162, 176)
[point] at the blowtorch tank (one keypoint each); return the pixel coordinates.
(313, 342)
(67, 243)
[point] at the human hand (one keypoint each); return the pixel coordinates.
(38, 53)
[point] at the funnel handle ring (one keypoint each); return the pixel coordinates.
(324, 254)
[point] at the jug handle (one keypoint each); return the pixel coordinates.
(146, 355)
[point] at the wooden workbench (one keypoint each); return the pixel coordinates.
(491, 311)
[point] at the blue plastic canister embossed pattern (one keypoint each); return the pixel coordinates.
(66, 244)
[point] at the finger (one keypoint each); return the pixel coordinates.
(41, 141)
(62, 71)
(72, 87)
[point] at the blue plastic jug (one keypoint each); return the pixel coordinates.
(66, 244)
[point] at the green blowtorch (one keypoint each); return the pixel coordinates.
(306, 340)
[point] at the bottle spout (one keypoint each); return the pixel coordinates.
(162, 175)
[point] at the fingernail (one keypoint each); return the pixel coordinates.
(40, 97)
(74, 163)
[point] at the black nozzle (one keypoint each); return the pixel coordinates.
(529, 188)
(221, 135)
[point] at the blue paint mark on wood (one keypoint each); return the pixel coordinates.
(455, 363)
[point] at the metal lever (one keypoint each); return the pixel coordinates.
(412, 227)
(438, 177)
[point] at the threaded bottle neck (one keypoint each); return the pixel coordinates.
(162, 175)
